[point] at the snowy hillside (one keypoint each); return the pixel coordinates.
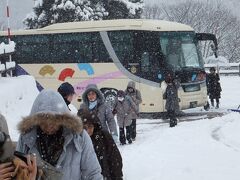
(206, 149)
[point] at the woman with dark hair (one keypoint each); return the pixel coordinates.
(213, 87)
(93, 100)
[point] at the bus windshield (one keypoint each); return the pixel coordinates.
(180, 49)
(149, 53)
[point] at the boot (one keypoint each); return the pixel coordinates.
(212, 103)
(217, 106)
(175, 122)
(172, 123)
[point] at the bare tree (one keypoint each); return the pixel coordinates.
(210, 17)
(152, 12)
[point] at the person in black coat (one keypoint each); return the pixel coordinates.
(67, 92)
(172, 100)
(213, 87)
(106, 150)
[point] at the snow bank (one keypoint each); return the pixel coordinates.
(17, 96)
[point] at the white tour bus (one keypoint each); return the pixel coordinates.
(111, 53)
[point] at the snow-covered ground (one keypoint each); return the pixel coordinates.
(207, 149)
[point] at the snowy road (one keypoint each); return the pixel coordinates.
(200, 148)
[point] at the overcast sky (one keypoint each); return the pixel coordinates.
(20, 8)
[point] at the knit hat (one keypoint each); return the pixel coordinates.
(66, 89)
(49, 101)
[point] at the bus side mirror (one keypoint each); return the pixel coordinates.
(209, 37)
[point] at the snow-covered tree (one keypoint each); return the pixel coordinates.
(121, 9)
(46, 12)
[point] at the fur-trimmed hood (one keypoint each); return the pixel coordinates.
(68, 121)
(49, 106)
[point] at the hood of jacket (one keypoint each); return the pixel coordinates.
(93, 87)
(49, 106)
(49, 101)
(67, 121)
(131, 84)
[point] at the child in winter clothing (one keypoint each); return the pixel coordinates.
(124, 105)
(213, 87)
(106, 150)
(171, 96)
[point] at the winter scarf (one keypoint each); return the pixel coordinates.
(50, 146)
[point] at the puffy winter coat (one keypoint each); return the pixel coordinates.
(124, 111)
(78, 160)
(6, 146)
(213, 86)
(103, 112)
(136, 97)
(3, 125)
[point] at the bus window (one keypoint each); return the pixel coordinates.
(72, 47)
(190, 55)
(79, 48)
(32, 48)
(122, 43)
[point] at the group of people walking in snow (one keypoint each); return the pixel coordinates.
(84, 146)
(57, 137)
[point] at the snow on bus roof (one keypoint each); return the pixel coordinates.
(108, 25)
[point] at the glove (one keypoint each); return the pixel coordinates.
(115, 138)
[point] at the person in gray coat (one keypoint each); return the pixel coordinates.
(58, 138)
(171, 96)
(123, 107)
(135, 95)
(93, 100)
(6, 168)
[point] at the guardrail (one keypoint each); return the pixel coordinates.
(225, 68)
